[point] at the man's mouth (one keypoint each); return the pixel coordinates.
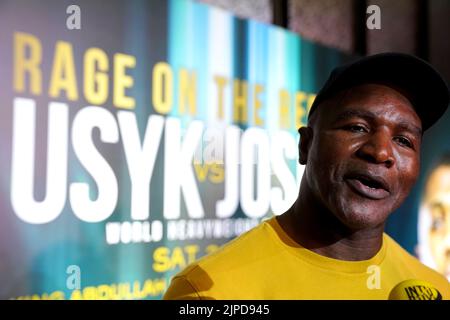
(371, 187)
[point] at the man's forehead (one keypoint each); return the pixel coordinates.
(371, 102)
(382, 90)
(374, 98)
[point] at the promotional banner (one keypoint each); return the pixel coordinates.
(138, 136)
(422, 224)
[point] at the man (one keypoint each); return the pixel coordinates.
(434, 218)
(361, 149)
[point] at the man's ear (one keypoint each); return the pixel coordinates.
(306, 136)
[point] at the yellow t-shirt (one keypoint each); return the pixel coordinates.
(265, 263)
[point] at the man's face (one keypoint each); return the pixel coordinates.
(364, 156)
(437, 201)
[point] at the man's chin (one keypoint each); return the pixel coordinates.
(359, 220)
(361, 213)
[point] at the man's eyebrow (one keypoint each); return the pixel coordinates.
(410, 127)
(354, 113)
(369, 116)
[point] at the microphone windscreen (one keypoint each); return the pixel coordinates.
(414, 289)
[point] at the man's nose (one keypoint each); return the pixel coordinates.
(378, 149)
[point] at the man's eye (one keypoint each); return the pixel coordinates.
(356, 128)
(404, 141)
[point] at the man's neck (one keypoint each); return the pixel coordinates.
(317, 229)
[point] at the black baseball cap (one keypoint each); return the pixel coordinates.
(425, 87)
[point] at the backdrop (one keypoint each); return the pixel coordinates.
(138, 136)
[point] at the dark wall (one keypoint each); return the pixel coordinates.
(419, 27)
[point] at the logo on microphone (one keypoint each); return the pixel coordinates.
(415, 290)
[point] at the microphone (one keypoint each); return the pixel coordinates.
(414, 289)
